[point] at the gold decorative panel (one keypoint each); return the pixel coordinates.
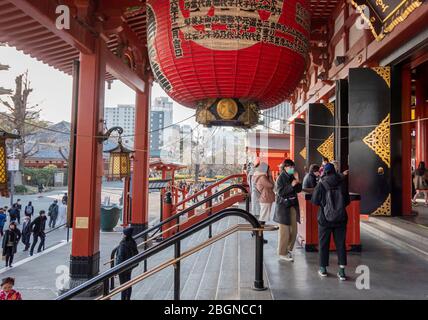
(384, 209)
(3, 166)
(326, 149)
(303, 153)
(379, 140)
(330, 107)
(385, 73)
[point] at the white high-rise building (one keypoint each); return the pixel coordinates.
(163, 104)
(122, 116)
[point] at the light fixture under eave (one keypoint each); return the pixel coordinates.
(119, 163)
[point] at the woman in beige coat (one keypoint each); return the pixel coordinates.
(264, 185)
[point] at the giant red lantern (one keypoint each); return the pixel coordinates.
(228, 58)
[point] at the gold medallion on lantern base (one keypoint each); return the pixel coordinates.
(227, 112)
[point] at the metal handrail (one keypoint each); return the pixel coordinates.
(201, 192)
(179, 214)
(174, 261)
(56, 228)
(175, 240)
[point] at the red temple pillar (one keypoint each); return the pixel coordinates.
(292, 140)
(140, 178)
(406, 113)
(421, 112)
(85, 256)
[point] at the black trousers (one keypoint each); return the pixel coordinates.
(36, 237)
(123, 278)
(9, 256)
(339, 236)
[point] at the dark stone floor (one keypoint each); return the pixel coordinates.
(394, 274)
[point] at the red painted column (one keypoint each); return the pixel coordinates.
(292, 141)
(421, 112)
(406, 115)
(85, 254)
(140, 178)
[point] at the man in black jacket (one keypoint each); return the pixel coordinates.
(127, 249)
(37, 227)
(332, 198)
(311, 178)
(287, 213)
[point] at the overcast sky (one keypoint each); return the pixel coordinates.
(52, 88)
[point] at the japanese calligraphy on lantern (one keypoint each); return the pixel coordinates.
(233, 25)
(384, 15)
(253, 51)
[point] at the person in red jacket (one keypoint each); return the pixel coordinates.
(7, 292)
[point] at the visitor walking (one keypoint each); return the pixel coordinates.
(18, 207)
(29, 210)
(13, 213)
(311, 178)
(65, 199)
(38, 229)
(3, 218)
(331, 197)
(10, 243)
(127, 249)
(7, 292)
(62, 214)
(53, 214)
(26, 233)
(420, 181)
(287, 213)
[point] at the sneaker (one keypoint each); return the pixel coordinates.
(341, 274)
(414, 203)
(288, 257)
(323, 272)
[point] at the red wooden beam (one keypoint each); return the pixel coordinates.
(43, 11)
(122, 72)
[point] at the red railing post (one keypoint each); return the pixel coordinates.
(167, 212)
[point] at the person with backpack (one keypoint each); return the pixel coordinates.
(29, 210)
(332, 198)
(127, 249)
(53, 214)
(13, 213)
(287, 213)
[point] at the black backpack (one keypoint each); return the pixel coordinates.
(334, 203)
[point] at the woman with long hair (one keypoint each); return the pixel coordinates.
(420, 181)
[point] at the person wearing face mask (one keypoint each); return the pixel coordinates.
(287, 209)
(311, 178)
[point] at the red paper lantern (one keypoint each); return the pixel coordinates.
(236, 53)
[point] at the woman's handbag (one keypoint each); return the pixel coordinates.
(287, 202)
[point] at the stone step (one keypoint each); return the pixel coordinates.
(193, 281)
(228, 280)
(404, 228)
(394, 235)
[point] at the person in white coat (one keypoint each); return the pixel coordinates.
(62, 214)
